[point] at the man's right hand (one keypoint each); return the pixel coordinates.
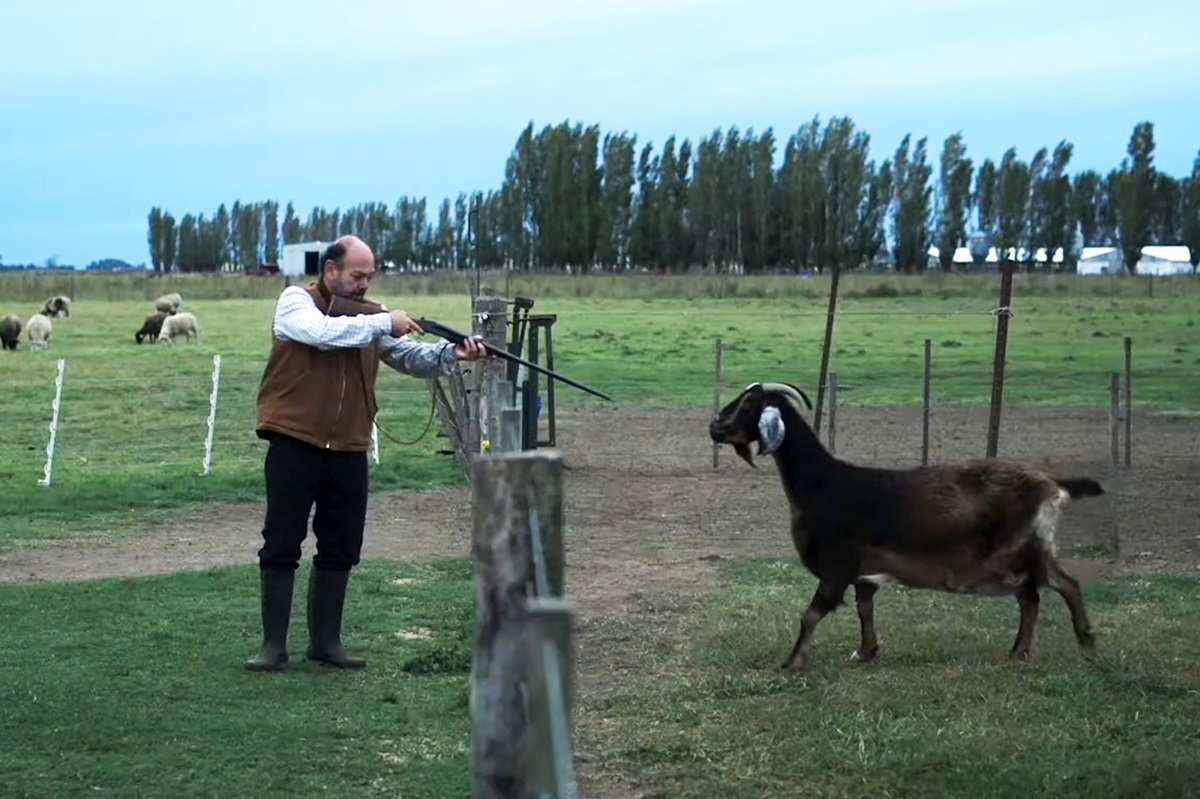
(403, 324)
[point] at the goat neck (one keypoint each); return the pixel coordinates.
(804, 463)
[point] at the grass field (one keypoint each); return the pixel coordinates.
(134, 688)
(129, 688)
(942, 713)
(134, 419)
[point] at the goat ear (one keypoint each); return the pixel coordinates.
(743, 451)
(770, 430)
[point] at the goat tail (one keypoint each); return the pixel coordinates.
(1081, 487)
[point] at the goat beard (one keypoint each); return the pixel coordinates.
(743, 451)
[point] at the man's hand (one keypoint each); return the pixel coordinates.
(402, 324)
(471, 349)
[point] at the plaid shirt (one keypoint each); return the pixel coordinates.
(298, 319)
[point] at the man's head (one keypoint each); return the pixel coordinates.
(347, 267)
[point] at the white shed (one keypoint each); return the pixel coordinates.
(1100, 261)
(1165, 260)
(302, 259)
(1155, 260)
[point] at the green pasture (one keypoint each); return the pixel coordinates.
(134, 418)
(134, 687)
(706, 715)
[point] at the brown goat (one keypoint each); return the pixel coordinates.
(978, 526)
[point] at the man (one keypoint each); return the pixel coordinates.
(316, 406)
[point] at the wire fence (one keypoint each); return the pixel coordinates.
(199, 419)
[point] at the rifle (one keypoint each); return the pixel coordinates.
(450, 334)
(346, 306)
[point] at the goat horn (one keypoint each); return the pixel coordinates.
(794, 393)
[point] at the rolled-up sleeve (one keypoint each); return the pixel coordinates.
(297, 318)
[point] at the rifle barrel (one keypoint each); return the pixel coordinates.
(450, 334)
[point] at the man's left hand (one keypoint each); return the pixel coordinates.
(471, 349)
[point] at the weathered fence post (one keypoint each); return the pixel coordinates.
(925, 408)
(1114, 418)
(1003, 314)
(490, 317)
(829, 320)
(717, 393)
(833, 413)
(1128, 401)
(206, 464)
(54, 410)
(518, 552)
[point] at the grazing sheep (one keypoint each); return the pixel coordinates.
(151, 327)
(10, 331)
(982, 526)
(168, 303)
(178, 324)
(38, 329)
(57, 306)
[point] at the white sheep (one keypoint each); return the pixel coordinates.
(168, 303)
(184, 324)
(38, 329)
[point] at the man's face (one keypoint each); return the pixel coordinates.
(353, 279)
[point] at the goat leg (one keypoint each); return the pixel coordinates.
(864, 596)
(1068, 588)
(1028, 599)
(823, 601)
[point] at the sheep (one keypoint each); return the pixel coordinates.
(151, 327)
(178, 324)
(57, 306)
(168, 303)
(10, 331)
(976, 526)
(38, 329)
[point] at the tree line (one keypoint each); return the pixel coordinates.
(574, 199)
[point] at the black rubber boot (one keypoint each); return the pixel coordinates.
(326, 598)
(275, 586)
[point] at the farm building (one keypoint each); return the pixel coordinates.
(1155, 260)
(303, 259)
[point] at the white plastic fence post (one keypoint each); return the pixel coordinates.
(375, 443)
(58, 386)
(212, 413)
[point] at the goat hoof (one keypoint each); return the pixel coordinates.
(864, 655)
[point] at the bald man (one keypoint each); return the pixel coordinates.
(316, 408)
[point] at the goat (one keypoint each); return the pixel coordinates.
(977, 526)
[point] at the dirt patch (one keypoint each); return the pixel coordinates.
(648, 517)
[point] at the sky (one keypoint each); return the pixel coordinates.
(108, 109)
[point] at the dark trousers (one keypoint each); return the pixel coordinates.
(300, 476)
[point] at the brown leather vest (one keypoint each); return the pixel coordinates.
(323, 397)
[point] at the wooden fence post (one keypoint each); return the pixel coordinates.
(717, 394)
(825, 350)
(925, 409)
(490, 318)
(1114, 418)
(514, 493)
(1128, 401)
(1003, 314)
(833, 399)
